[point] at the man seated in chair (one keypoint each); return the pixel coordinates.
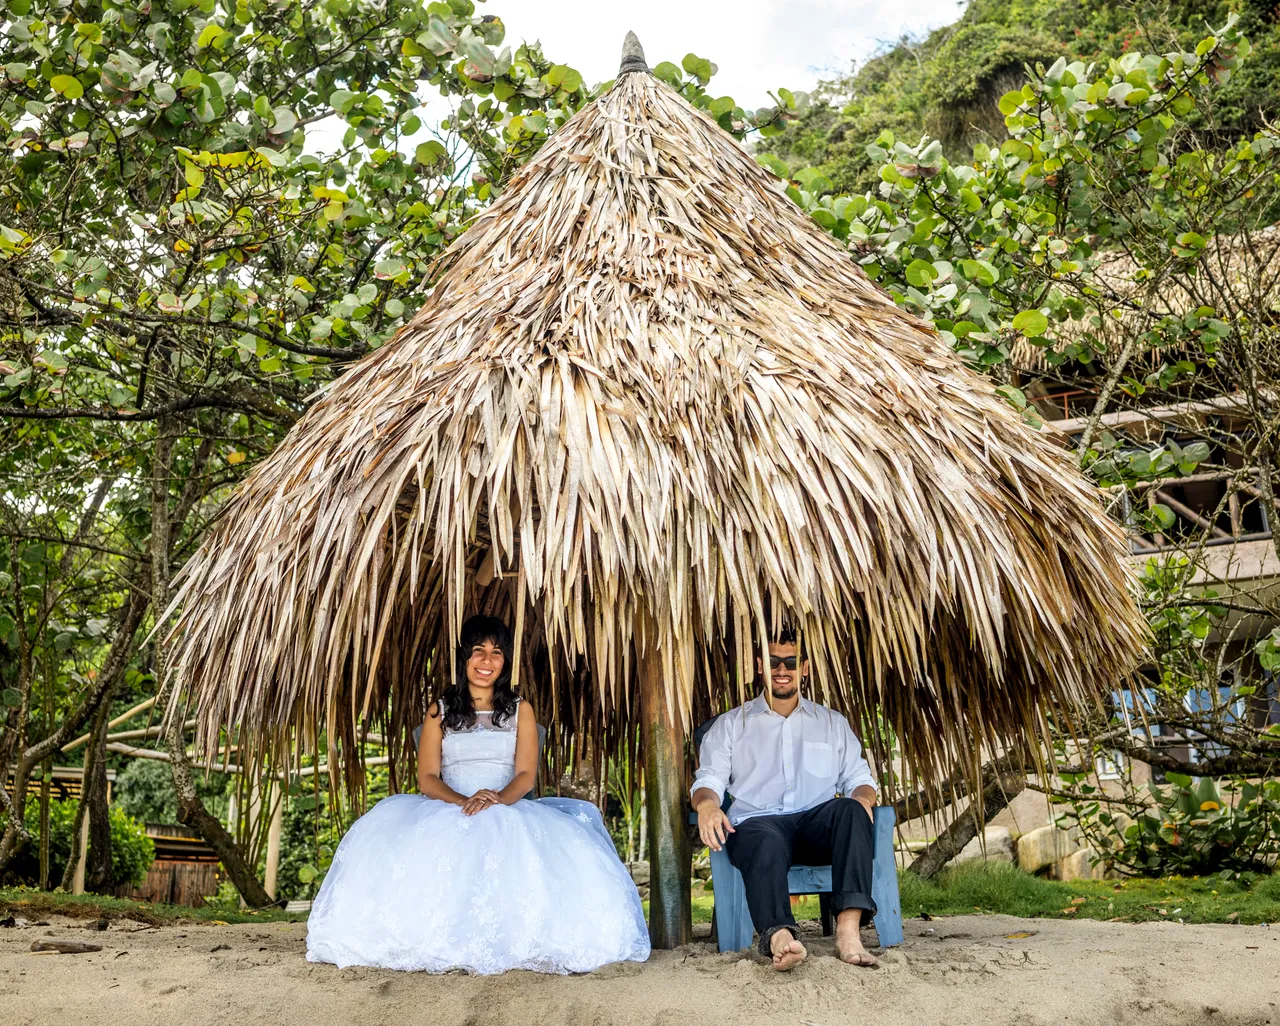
(785, 763)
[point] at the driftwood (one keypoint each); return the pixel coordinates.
(63, 947)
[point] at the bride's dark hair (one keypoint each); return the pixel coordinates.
(459, 709)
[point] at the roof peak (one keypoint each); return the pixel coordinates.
(632, 56)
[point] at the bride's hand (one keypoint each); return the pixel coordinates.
(482, 799)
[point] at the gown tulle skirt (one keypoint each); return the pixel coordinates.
(416, 884)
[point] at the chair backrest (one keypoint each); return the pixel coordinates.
(701, 731)
(698, 734)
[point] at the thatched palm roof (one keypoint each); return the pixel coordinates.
(1235, 275)
(647, 380)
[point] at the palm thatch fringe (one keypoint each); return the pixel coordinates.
(646, 382)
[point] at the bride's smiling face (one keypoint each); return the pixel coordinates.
(484, 665)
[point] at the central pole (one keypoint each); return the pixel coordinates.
(670, 865)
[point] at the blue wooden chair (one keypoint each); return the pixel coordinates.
(734, 929)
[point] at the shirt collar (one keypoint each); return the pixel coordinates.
(760, 705)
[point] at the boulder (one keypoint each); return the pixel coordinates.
(1079, 866)
(995, 845)
(639, 873)
(1043, 847)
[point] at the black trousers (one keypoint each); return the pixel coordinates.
(838, 833)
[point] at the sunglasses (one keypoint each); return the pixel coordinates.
(788, 661)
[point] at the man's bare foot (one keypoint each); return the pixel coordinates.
(849, 941)
(787, 951)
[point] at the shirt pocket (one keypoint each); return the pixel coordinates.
(817, 759)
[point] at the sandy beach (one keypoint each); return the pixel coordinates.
(979, 970)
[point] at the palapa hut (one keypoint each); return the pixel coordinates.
(647, 401)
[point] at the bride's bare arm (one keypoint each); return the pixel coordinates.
(429, 780)
(526, 757)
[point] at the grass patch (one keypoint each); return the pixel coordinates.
(1007, 890)
(964, 890)
(33, 904)
(704, 906)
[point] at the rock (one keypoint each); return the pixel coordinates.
(1079, 866)
(1043, 847)
(998, 844)
(639, 873)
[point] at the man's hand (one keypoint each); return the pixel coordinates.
(713, 825)
(866, 797)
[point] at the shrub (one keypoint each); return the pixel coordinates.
(1191, 827)
(132, 851)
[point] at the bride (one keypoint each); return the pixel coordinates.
(468, 874)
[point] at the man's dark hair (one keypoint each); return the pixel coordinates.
(787, 636)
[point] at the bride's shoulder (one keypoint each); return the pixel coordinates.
(434, 720)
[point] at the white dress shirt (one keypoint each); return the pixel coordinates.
(773, 764)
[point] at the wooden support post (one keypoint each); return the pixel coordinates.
(77, 882)
(273, 840)
(670, 860)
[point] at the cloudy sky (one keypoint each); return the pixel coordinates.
(758, 44)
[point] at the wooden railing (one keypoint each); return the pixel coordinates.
(1157, 493)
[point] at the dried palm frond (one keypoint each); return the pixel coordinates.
(652, 399)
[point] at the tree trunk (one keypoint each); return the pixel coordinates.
(91, 755)
(999, 788)
(15, 834)
(1104, 394)
(46, 782)
(191, 810)
(97, 875)
(670, 860)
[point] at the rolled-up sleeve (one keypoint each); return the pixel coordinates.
(854, 770)
(715, 758)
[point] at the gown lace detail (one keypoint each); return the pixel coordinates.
(416, 884)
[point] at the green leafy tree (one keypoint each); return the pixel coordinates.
(208, 209)
(144, 791)
(180, 270)
(947, 82)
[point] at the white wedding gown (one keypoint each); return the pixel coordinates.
(416, 884)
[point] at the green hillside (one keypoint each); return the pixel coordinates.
(948, 83)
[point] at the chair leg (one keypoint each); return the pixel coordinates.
(884, 881)
(824, 911)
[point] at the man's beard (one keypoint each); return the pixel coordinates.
(785, 691)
